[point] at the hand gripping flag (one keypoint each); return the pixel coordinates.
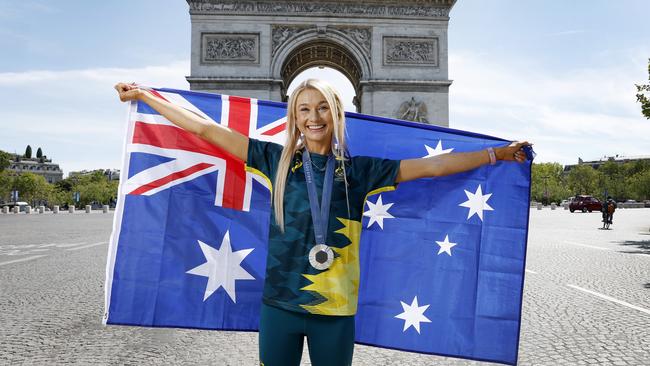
(442, 259)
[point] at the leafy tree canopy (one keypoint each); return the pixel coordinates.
(5, 160)
(642, 96)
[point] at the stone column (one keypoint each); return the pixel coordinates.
(105, 209)
(5, 210)
(71, 209)
(88, 208)
(41, 209)
(55, 209)
(16, 209)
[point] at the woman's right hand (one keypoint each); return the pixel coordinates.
(230, 140)
(128, 92)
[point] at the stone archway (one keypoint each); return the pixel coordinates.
(394, 52)
(321, 53)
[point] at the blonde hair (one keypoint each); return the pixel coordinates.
(294, 142)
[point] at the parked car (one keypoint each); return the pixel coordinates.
(585, 203)
(22, 206)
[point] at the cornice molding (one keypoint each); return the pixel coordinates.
(372, 9)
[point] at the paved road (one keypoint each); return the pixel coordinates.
(586, 301)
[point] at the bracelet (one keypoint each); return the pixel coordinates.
(493, 157)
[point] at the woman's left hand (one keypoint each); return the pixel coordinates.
(513, 152)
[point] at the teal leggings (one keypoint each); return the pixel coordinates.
(330, 338)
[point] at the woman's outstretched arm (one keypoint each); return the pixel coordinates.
(230, 140)
(452, 163)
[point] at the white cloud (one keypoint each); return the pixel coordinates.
(75, 115)
(588, 113)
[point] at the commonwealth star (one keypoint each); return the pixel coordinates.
(222, 268)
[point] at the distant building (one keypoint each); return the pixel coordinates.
(110, 174)
(40, 166)
(617, 159)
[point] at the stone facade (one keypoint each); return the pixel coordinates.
(393, 52)
(39, 166)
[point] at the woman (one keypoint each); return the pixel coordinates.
(312, 270)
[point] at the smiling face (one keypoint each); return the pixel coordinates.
(314, 120)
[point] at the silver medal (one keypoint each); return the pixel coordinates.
(321, 257)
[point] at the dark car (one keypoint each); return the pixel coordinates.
(585, 203)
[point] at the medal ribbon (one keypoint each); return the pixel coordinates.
(320, 219)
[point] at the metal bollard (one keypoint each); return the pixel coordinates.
(105, 209)
(539, 206)
(88, 208)
(55, 209)
(5, 210)
(71, 209)
(28, 210)
(41, 209)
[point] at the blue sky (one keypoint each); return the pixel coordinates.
(558, 73)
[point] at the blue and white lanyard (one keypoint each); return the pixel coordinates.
(320, 219)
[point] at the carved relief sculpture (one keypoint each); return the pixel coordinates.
(361, 35)
(230, 47)
(281, 33)
(416, 51)
(413, 111)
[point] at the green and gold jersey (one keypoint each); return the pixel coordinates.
(292, 283)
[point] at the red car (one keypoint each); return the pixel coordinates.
(585, 203)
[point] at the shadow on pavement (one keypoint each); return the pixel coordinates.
(642, 246)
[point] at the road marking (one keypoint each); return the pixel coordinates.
(88, 246)
(22, 260)
(611, 299)
(585, 245)
(529, 271)
(69, 245)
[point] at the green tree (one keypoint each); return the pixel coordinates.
(548, 183)
(5, 160)
(34, 189)
(28, 152)
(6, 185)
(92, 188)
(583, 179)
(639, 184)
(641, 96)
(39, 153)
(612, 179)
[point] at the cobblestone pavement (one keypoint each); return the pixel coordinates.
(586, 301)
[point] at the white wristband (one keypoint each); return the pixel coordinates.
(493, 157)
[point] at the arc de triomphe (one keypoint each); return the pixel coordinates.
(393, 51)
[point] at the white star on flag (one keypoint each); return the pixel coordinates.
(222, 268)
(437, 151)
(477, 203)
(377, 212)
(445, 246)
(413, 315)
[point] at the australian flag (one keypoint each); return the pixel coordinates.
(442, 259)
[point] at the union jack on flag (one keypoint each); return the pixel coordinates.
(441, 260)
(192, 156)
